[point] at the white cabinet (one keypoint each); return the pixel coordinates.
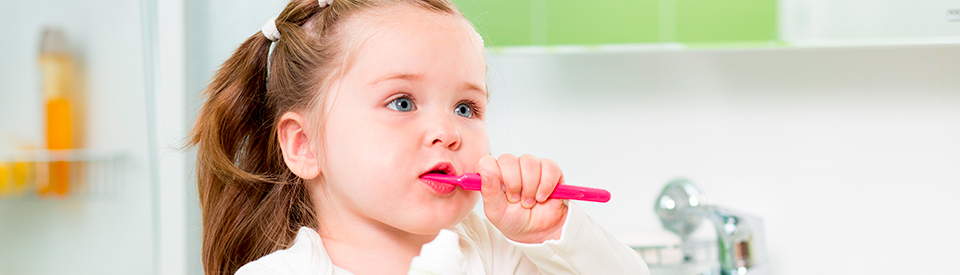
(869, 22)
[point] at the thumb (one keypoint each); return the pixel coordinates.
(491, 187)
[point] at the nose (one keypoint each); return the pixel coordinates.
(442, 131)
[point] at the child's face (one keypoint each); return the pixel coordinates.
(411, 102)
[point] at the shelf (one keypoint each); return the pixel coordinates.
(58, 174)
(692, 257)
(685, 253)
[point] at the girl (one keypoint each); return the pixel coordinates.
(310, 154)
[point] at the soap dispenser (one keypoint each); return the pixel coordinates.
(57, 68)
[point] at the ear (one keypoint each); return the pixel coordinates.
(297, 147)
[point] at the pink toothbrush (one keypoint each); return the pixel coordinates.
(471, 181)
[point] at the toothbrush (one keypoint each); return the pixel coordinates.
(471, 181)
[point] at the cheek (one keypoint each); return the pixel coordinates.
(475, 144)
(363, 150)
(360, 145)
(479, 134)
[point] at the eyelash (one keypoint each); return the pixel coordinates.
(473, 108)
(477, 113)
(402, 96)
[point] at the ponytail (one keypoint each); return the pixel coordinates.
(252, 204)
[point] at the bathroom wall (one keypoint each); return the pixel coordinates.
(849, 155)
(79, 234)
(845, 152)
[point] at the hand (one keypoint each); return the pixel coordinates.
(515, 192)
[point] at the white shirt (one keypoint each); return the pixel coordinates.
(583, 248)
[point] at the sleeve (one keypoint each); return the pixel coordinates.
(583, 248)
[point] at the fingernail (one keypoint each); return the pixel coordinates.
(529, 203)
(541, 197)
(515, 198)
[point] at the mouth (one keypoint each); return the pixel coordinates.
(443, 168)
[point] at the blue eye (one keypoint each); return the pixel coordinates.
(402, 104)
(464, 110)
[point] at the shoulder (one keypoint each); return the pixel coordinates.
(306, 256)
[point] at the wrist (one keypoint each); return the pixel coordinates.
(552, 232)
(539, 238)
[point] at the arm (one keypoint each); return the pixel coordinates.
(583, 248)
(555, 236)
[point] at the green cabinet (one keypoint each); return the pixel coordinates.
(562, 22)
(601, 22)
(726, 20)
(500, 22)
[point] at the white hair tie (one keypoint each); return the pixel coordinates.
(270, 29)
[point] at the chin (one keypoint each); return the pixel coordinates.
(431, 222)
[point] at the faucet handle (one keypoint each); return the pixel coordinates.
(740, 236)
(674, 204)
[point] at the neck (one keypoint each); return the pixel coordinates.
(354, 242)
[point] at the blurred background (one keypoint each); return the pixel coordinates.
(837, 123)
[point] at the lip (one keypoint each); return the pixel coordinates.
(440, 187)
(445, 166)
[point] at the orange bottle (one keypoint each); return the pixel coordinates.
(57, 66)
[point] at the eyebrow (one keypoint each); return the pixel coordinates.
(476, 88)
(415, 77)
(407, 77)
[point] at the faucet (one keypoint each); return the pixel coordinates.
(740, 239)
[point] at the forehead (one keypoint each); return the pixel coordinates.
(391, 16)
(397, 35)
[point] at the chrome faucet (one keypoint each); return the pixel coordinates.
(740, 239)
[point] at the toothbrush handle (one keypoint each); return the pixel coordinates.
(471, 181)
(572, 192)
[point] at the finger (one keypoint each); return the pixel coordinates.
(550, 177)
(530, 176)
(491, 186)
(510, 175)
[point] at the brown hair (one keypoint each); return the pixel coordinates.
(251, 203)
